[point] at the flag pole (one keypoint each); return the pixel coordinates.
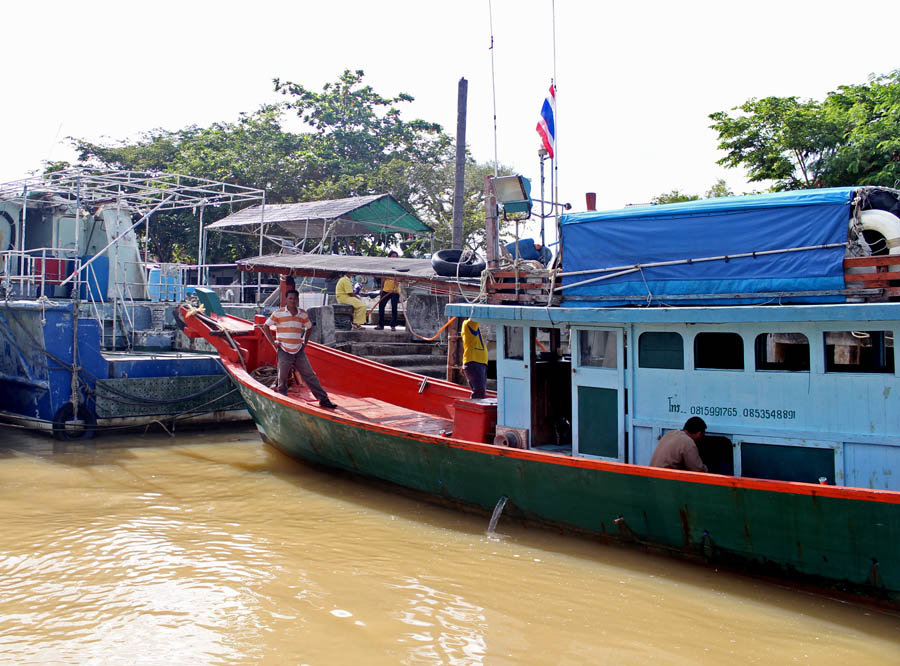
(493, 86)
(554, 176)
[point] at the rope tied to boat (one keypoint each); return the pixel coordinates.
(190, 310)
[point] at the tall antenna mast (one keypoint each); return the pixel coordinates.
(494, 86)
(555, 127)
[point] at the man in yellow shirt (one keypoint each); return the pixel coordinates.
(475, 357)
(344, 294)
(390, 292)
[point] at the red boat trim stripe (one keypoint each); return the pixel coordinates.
(786, 487)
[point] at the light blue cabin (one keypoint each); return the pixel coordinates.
(789, 392)
(733, 310)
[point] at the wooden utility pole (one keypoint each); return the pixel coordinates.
(454, 351)
(460, 183)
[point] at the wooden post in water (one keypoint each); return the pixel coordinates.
(454, 351)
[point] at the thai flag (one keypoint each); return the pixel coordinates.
(546, 127)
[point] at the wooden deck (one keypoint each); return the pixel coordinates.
(379, 412)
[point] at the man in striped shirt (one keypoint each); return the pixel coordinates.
(292, 329)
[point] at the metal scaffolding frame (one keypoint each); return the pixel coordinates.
(141, 190)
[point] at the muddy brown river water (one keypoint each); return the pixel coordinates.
(213, 548)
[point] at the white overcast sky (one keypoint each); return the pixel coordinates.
(636, 80)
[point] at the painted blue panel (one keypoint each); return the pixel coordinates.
(97, 278)
(644, 445)
(161, 366)
(516, 403)
(661, 234)
(872, 466)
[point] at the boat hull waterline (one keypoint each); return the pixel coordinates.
(828, 537)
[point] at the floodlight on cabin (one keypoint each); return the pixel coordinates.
(513, 193)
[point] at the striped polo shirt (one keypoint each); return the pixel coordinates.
(289, 329)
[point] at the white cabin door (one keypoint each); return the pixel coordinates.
(598, 392)
(513, 361)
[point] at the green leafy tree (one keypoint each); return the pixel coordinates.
(253, 152)
(675, 196)
(360, 143)
(357, 144)
(719, 189)
(436, 203)
(869, 153)
(852, 137)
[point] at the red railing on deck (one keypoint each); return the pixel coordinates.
(885, 274)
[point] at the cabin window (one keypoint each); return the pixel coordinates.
(859, 351)
(718, 351)
(788, 352)
(598, 348)
(513, 343)
(661, 350)
(549, 344)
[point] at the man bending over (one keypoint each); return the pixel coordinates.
(678, 448)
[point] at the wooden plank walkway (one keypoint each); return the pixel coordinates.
(379, 412)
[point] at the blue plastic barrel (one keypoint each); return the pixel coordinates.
(154, 284)
(97, 276)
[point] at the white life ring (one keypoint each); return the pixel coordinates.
(885, 223)
(888, 226)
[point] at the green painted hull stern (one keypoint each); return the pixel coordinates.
(847, 545)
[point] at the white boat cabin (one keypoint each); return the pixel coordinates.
(795, 393)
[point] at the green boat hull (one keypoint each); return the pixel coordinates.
(844, 540)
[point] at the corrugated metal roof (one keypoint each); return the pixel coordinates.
(354, 216)
(333, 265)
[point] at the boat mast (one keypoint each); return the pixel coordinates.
(554, 178)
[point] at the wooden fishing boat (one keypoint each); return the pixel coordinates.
(800, 399)
(85, 338)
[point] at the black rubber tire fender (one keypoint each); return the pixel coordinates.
(65, 414)
(446, 263)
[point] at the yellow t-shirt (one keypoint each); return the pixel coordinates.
(389, 286)
(344, 288)
(474, 349)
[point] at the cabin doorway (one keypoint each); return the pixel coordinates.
(513, 376)
(598, 392)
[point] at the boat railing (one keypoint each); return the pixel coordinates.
(30, 273)
(124, 298)
(39, 272)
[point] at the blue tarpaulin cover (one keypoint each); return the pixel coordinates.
(708, 228)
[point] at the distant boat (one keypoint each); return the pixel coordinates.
(798, 388)
(87, 339)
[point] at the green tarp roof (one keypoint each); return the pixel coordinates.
(355, 216)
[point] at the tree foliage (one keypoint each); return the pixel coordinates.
(850, 138)
(357, 143)
(674, 196)
(718, 189)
